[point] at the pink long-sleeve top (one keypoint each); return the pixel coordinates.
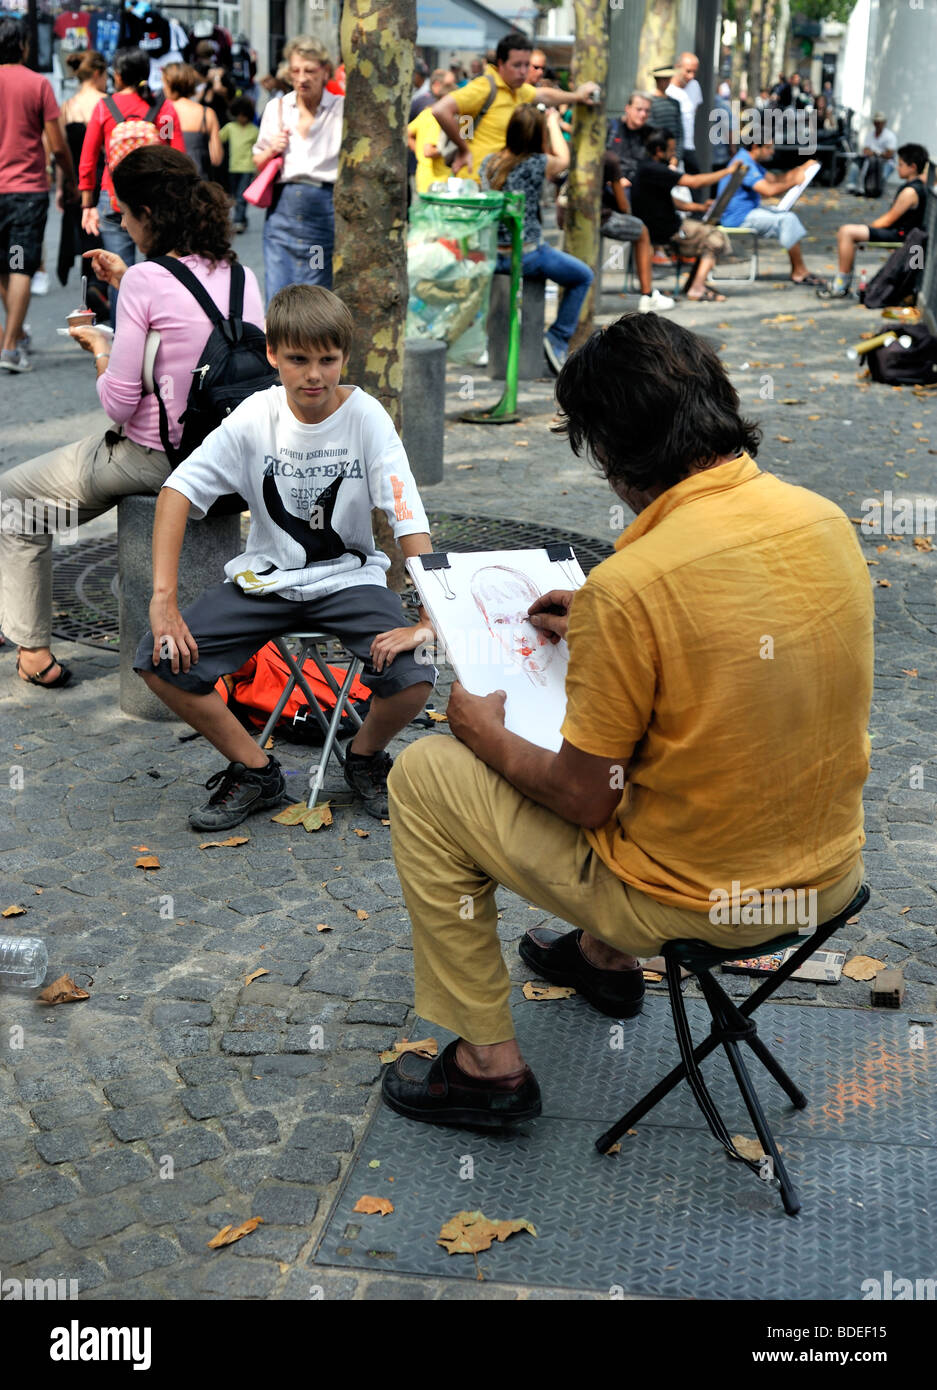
(151, 298)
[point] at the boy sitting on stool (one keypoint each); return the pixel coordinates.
(311, 458)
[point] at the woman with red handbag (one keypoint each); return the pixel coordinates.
(296, 155)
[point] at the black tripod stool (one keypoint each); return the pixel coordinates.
(732, 1024)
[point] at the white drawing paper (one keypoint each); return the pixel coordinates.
(790, 197)
(479, 607)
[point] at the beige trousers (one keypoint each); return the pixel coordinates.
(52, 494)
(458, 830)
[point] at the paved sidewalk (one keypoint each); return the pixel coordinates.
(174, 1057)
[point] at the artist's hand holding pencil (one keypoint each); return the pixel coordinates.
(550, 613)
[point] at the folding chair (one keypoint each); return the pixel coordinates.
(309, 649)
(732, 1024)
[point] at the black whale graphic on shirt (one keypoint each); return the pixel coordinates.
(319, 542)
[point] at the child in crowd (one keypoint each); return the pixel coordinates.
(312, 458)
(240, 136)
(905, 213)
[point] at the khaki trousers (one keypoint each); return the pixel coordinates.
(458, 830)
(60, 490)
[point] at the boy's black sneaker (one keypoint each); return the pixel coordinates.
(367, 777)
(237, 793)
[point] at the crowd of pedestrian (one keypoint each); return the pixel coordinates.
(504, 122)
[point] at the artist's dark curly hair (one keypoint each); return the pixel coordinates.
(184, 212)
(647, 401)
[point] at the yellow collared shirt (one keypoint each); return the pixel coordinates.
(492, 128)
(724, 657)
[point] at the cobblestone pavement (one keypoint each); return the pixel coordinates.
(175, 1066)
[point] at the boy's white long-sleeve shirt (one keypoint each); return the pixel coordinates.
(310, 490)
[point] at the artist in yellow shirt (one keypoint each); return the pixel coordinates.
(476, 116)
(715, 739)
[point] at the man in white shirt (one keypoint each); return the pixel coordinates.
(879, 141)
(686, 90)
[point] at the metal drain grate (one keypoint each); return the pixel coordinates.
(84, 577)
(84, 593)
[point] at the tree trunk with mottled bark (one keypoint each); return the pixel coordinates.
(370, 261)
(658, 39)
(754, 52)
(584, 186)
(738, 51)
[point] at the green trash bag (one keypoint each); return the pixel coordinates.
(451, 254)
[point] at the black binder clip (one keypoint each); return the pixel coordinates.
(434, 563)
(559, 553)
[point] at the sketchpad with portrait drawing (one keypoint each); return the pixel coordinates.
(478, 603)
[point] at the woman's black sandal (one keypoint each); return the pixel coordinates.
(61, 679)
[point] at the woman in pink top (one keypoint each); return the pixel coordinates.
(168, 211)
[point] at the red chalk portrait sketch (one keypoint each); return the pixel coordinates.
(478, 604)
(503, 596)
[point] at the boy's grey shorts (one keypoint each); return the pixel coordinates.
(229, 626)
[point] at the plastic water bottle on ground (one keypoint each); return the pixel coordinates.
(24, 961)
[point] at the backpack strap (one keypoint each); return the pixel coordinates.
(114, 109)
(152, 114)
(493, 92)
(184, 275)
(236, 300)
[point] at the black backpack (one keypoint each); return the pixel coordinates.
(872, 179)
(233, 364)
(898, 277)
(914, 366)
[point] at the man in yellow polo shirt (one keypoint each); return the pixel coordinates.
(499, 90)
(715, 744)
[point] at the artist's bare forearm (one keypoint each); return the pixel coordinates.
(529, 768)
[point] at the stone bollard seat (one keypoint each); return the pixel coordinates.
(206, 549)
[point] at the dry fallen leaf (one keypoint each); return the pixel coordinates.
(62, 991)
(310, 817)
(532, 991)
(750, 1148)
(880, 548)
(222, 844)
(374, 1206)
(471, 1231)
(922, 543)
(142, 849)
(436, 717)
(615, 1149)
(323, 926)
(269, 743)
(883, 583)
(147, 861)
(254, 975)
(362, 834)
(384, 822)
(461, 466)
(863, 967)
(781, 318)
(813, 417)
(361, 915)
(14, 910)
(909, 671)
(903, 910)
(784, 438)
(229, 1234)
(423, 1047)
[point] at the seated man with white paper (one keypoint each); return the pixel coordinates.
(714, 739)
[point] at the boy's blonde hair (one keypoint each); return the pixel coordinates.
(301, 316)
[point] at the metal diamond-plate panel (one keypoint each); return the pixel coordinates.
(671, 1215)
(859, 1069)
